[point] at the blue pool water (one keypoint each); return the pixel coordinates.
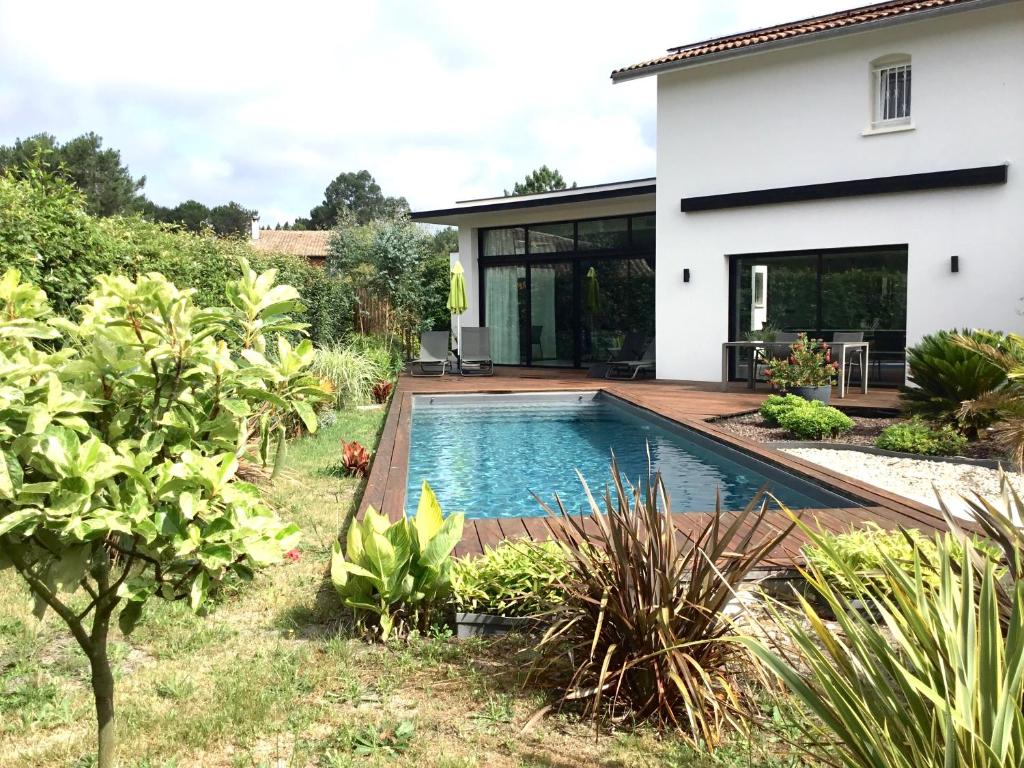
(484, 454)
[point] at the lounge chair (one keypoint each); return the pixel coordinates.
(632, 348)
(433, 359)
(631, 369)
(476, 352)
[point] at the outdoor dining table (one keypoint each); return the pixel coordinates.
(839, 354)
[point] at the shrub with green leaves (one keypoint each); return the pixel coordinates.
(120, 438)
(946, 374)
(351, 374)
(916, 436)
(775, 405)
(48, 235)
(393, 574)
(814, 421)
(515, 578)
(854, 558)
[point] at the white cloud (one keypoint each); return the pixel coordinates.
(265, 103)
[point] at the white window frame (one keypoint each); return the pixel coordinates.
(879, 95)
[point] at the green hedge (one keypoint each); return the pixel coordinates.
(46, 233)
(916, 436)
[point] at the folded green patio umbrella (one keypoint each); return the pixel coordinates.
(457, 303)
(591, 292)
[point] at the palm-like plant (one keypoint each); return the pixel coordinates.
(937, 681)
(1006, 402)
(947, 373)
(642, 626)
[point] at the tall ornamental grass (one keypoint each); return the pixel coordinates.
(351, 373)
(918, 674)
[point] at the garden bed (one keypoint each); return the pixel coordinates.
(866, 430)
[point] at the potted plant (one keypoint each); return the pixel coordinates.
(808, 372)
(507, 587)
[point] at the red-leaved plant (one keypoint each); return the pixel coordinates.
(355, 458)
(382, 391)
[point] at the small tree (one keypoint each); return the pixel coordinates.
(120, 439)
(542, 179)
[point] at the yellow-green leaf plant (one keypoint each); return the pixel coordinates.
(927, 676)
(121, 432)
(392, 574)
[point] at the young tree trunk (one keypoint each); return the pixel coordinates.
(103, 692)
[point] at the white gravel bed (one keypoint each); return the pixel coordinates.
(913, 478)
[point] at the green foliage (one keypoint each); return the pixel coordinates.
(107, 185)
(394, 573)
(353, 199)
(1004, 404)
(542, 179)
(47, 234)
(946, 374)
(389, 259)
(775, 405)
(351, 374)
(643, 625)
(120, 440)
(936, 683)
(814, 421)
(516, 578)
(863, 552)
(385, 351)
(916, 436)
(809, 365)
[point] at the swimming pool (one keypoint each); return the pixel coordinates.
(484, 454)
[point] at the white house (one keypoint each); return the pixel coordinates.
(851, 172)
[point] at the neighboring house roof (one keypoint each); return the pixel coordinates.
(541, 199)
(313, 244)
(791, 33)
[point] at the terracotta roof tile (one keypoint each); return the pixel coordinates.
(312, 244)
(829, 22)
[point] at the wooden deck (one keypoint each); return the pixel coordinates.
(687, 403)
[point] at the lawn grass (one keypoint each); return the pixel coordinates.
(270, 678)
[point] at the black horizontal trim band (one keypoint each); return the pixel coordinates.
(513, 204)
(908, 182)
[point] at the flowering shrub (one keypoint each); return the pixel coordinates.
(809, 364)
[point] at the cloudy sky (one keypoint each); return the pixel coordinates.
(264, 103)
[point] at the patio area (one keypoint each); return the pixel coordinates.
(690, 404)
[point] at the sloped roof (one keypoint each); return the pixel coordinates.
(309, 243)
(849, 20)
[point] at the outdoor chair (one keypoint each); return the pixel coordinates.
(476, 352)
(433, 358)
(852, 355)
(632, 348)
(631, 369)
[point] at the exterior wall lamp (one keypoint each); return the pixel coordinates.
(686, 275)
(954, 264)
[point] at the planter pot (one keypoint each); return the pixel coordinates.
(820, 394)
(484, 624)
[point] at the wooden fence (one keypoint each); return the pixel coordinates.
(371, 312)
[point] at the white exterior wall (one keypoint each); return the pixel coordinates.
(796, 116)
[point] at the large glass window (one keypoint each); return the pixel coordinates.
(510, 241)
(552, 238)
(618, 308)
(859, 291)
(569, 293)
(604, 234)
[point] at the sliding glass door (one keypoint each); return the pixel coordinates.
(862, 290)
(567, 294)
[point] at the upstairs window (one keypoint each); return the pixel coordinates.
(892, 79)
